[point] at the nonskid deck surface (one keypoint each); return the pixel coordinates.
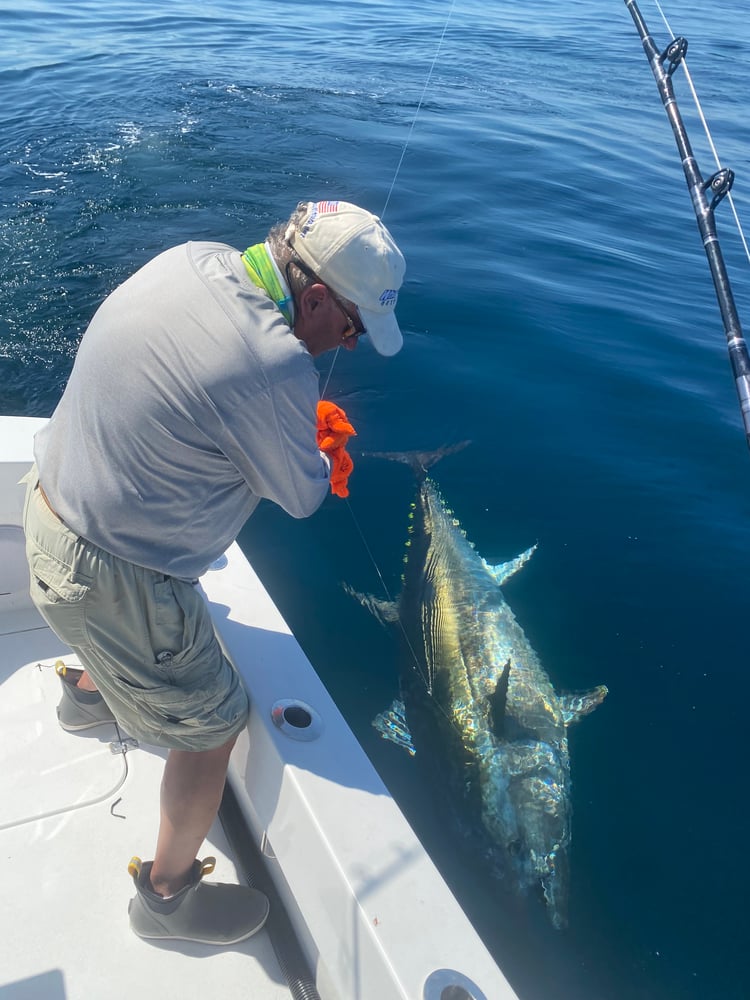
(72, 813)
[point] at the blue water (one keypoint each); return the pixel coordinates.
(558, 312)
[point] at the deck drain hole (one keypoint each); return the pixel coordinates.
(297, 716)
(297, 720)
(448, 984)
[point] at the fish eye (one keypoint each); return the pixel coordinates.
(514, 847)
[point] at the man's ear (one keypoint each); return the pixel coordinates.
(313, 296)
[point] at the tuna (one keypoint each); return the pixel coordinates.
(476, 699)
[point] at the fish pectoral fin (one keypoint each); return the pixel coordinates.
(498, 700)
(504, 571)
(392, 726)
(575, 706)
(386, 612)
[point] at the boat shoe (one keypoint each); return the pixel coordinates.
(206, 912)
(79, 709)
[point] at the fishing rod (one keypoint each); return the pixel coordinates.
(716, 187)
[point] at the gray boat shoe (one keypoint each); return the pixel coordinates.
(79, 709)
(206, 912)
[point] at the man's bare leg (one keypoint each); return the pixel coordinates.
(211, 913)
(85, 683)
(191, 791)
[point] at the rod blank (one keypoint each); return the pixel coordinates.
(717, 186)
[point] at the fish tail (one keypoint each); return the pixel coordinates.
(420, 461)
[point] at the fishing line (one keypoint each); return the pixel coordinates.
(706, 129)
(387, 593)
(427, 679)
(336, 354)
(419, 106)
(397, 171)
(368, 550)
(403, 150)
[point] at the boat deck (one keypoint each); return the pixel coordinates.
(72, 812)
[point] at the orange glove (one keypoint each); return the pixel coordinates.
(334, 431)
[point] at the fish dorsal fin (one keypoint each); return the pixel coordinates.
(575, 706)
(498, 700)
(504, 571)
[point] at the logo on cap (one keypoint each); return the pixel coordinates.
(318, 208)
(388, 298)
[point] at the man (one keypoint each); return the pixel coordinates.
(193, 395)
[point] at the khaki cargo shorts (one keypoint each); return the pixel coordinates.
(146, 639)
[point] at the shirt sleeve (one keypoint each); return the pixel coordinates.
(271, 440)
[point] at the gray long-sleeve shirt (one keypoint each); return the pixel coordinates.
(189, 400)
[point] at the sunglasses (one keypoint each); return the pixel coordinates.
(353, 329)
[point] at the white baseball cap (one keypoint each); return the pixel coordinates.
(350, 250)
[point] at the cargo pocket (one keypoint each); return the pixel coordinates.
(182, 624)
(200, 715)
(59, 597)
(54, 579)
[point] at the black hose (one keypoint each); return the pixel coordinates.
(289, 954)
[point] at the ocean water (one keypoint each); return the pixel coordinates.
(558, 312)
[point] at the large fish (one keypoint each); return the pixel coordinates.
(476, 699)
